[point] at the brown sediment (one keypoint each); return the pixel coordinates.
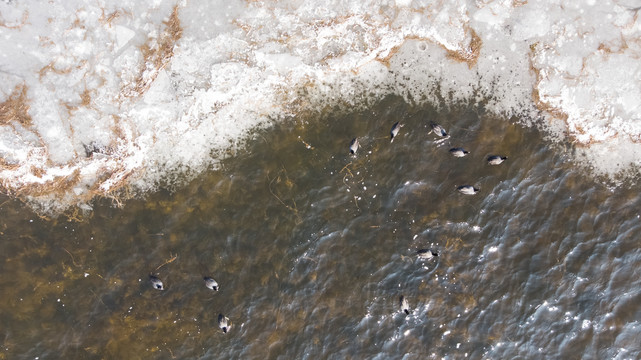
(284, 37)
(45, 41)
(116, 129)
(556, 113)
(559, 114)
(393, 51)
(107, 19)
(16, 107)
(4, 165)
(58, 188)
(608, 50)
(244, 27)
(544, 106)
(37, 172)
(59, 185)
(85, 101)
(469, 55)
(117, 193)
(156, 56)
(78, 24)
(85, 98)
(536, 97)
(51, 67)
(23, 21)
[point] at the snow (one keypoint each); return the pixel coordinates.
(156, 101)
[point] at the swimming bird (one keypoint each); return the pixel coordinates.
(395, 128)
(210, 283)
(223, 323)
(426, 254)
(353, 146)
(404, 305)
(458, 152)
(438, 129)
(156, 282)
(467, 189)
(495, 159)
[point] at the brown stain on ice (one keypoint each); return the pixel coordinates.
(107, 19)
(15, 110)
(23, 21)
(59, 185)
(470, 53)
(37, 171)
(386, 60)
(16, 107)
(51, 67)
(156, 55)
(554, 112)
(85, 98)
(574, 130)
(545, 107)
(4, 165)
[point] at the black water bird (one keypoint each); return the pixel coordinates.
(156, 282)
(467, 189)
(353, 146)
(210, 283)
(438, 129)
(223, 323)
(426, 254)
(495, 159)
(404, 305)
(395, 128)
(458, 152)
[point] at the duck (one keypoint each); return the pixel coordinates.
(156, 282)
(426, 254)
(458, 152)
(438, 129)
(404, 305)
(495, 159)
(210, 283)
(353, 146)
(395, 128)
(467, 189)
(223, 323)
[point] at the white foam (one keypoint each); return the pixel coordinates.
(237, 65)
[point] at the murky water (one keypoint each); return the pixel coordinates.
(312, 248)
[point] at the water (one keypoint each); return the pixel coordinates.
(312, 248)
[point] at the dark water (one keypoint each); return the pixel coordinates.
(312, 248)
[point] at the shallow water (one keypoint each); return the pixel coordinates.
(312, 248)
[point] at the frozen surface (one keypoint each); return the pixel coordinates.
(96, 96)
